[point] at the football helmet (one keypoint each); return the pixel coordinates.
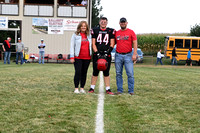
(102, 64)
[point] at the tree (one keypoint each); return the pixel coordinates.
(96, 9)
(195, 30)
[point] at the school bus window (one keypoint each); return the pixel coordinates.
(171, 43)
(194, 43)
(187, 43)
(179, 43)
(199, 43)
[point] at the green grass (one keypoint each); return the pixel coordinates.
(34, 32)
(40, 98)
(166, 100)
(149, 60)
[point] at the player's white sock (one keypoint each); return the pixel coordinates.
(92, 86)
(108, 87)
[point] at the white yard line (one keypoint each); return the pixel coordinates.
(100, 106)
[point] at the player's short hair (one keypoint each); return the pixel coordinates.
(103, 18)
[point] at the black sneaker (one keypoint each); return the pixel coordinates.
(91, 90)
(109, 92)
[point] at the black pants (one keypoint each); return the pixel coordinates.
(96, 71)
(81, 68)
(188, 61)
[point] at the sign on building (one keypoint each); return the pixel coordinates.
(71, 24)
(3, 22)
(39, 26)
(55, 26)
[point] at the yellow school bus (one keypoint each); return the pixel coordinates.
(183, 43)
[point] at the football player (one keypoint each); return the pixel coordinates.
(103, 41)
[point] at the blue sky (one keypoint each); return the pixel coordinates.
(40, 21)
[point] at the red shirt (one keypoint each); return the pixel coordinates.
(84, 51)
(124, 40)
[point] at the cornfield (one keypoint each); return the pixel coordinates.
(151, 43)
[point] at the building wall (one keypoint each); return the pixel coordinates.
(55, 44)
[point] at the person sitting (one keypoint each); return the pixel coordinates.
(84, 3)
(12, 1)
(7, 1)
(68, 3)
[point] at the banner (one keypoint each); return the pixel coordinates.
(3, 22)
(71, 24)
(39, 25)
(55, 26)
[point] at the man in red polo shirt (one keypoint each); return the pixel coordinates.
(125, 40)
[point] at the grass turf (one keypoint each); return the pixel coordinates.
(40, 98)
(166, 100)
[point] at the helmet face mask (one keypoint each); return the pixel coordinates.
(102, 64)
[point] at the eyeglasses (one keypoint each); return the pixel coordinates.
(104, 22)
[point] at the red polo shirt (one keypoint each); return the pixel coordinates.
(124, 40)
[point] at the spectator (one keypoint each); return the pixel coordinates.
(80, 53)
(68, 3)
(19, 51)
(7, 1)
(7, 50)
(84, 2)
(189, 60)
(41, 47)
(126, 40)
(174, 56)
(12, 1)
(159, 57)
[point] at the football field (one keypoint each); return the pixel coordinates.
(40, 98)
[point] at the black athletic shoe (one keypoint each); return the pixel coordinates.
(109, 92)
(91, 90)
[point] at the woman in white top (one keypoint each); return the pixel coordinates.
(80, 55)
(84, 2)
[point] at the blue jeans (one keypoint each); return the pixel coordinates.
(17, 57)
(127, 61)
(159, 60)
(174, 61)
(41, 55)
(7, 57)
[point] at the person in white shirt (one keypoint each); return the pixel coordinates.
(84, 2)
(41, 47)
(159, 57)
